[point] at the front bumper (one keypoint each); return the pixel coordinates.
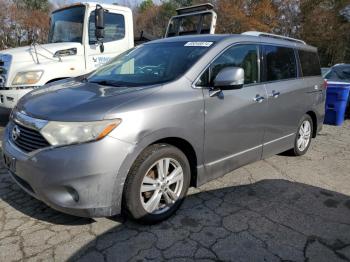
(81, 180)
(10, 97)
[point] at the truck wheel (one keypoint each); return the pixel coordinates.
(156, 184)
(303, 137)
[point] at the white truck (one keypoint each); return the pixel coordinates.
(83, 37)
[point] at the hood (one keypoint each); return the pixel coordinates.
(43, 52)
(73, 100)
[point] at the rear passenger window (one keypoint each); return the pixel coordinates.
(310, 64)
(244, 56)
(280, 63)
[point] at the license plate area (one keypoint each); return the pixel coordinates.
(10, 163)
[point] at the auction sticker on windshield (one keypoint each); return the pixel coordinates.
(203, 44)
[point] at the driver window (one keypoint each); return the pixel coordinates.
(245, 56)
(114, 27)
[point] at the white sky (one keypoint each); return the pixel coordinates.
(120, 2)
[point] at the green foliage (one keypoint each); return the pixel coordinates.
(183, 2)
(145, 4)
(169, 8)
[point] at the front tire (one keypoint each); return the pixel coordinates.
(303, 137)
(156, 184)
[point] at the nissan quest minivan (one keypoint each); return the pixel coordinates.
(135, 134)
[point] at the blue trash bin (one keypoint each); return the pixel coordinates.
(336, 102)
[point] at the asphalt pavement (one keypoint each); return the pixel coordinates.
(279, 209)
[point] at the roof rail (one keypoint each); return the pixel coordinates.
(194, 8)
(256, 33)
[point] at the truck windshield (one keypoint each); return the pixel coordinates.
(150, 64)
(66, 25)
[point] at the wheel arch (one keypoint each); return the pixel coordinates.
(313, 116)
(182, 144)
(187, 149)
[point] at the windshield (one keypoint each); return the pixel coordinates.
(339, 73)
(67, 25)
(150, 64)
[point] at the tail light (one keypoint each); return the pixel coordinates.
(325, 84)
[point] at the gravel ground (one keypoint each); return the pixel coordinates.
(282, 208)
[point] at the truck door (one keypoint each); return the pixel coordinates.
(118, 37)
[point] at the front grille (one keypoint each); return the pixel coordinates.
(5, 62)
(28, 139)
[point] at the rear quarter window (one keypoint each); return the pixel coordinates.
(310, 63)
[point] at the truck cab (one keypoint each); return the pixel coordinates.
(73, 49)
(82, 37)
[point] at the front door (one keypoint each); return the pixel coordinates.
(234, 119)
(115, 42)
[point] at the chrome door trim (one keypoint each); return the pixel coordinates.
(278, 139)
(234, 155)
(248, 150)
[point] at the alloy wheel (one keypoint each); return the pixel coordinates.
(161, 186)
(304, 135)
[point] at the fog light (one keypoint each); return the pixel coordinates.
(74, 194)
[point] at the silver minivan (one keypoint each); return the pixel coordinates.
(134, 135)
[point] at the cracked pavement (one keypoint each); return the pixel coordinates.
(279, 209)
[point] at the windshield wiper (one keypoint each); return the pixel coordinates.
(116, 83)
(108, 83)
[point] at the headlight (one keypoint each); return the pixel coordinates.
(27, 78)
(65, 133)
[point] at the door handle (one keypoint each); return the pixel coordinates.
(275, 94)
(259, 98)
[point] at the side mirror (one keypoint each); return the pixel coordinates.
(229, 78)
(100, 26)
(99, 23)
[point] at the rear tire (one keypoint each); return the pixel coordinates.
(156, 184)
(303, 136)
